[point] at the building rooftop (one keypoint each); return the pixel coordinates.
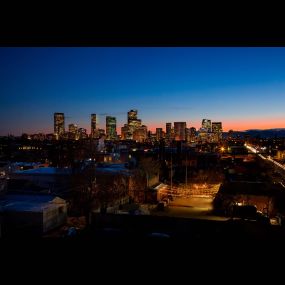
(45, 171)
(113, 168)
(28, 203)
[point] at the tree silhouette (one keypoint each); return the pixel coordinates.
(148, 167)
(84, 190)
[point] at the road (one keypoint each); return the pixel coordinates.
(192, 207)
(279, 165)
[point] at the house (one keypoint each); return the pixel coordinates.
(268, 198)
(25, 214)
(56, 180)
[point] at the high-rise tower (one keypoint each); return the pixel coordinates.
(94, 131)
(111, 132)
(59, 129)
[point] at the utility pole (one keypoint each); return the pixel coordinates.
(186, 180)
(171, 172)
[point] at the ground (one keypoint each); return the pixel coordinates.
(190, 207)
(79, 223)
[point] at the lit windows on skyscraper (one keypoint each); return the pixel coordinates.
(111, 132)
(102, 133)
(133, 123)
(94, 131)
(217, 130)
(72, 132)
(59, 129)
(82, 133)
(124, 132)
(180, 131)
(132, 116)
(140, 134)
(168, 131)
(217, 127)
(192, 132)
(158, 133)
(206, 125)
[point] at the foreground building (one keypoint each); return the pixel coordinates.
(31, 214)
(268, 198)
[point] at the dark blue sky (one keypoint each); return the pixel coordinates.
(242, 87)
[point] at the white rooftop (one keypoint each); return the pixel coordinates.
(28, 203)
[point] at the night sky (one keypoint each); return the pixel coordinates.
(244, 88)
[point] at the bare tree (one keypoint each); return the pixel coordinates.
(148, 167)
(84, 191)
(137, 186)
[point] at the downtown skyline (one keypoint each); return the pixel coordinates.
(241, 87)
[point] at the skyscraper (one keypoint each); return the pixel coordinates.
(140, 134)
(72, 131)
(192, 134)
(72, 128)
(59, 129)
(132, 116)
(206, 125)
(158, 133)
(82, 133)
(126, 132)
(217, 130)
(111, 132)
(133, 122)
(179, 131)
(94, 131)
(168, 131)
(217, 127)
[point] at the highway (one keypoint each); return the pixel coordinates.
(252, 149)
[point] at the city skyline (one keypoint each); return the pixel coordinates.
(241, 87)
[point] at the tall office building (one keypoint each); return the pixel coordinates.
(180, 131)
(124, 132)
(102, 133)
(59, 129)
(94, 130)
(72, 132)
(133, 122)
(72, 128)
(158, 133)
(140, 134)
(206, 125)
(132, 116)
(217, 130)
(187, 134)
(111, 132)
(217, 127)
(82, 133)
(192, 134)
(168, 131)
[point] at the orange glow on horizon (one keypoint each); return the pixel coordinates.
(236, 125)
(243, 125)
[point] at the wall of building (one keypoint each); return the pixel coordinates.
(54, 217)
